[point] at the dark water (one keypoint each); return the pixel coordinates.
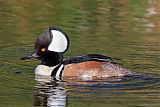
(125, 29)
(113, 92)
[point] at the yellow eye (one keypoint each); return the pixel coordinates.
(43, 49)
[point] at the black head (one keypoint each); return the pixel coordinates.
(50, 46)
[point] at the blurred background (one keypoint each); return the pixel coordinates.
(125, 29)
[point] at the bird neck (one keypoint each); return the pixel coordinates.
(52, 59)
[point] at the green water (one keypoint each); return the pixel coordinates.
(125, 29)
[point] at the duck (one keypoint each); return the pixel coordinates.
(50, 47)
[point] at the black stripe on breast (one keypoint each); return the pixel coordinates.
(54, 72)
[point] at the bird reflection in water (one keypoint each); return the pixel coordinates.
(49, 93)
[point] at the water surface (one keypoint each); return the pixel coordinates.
(125, 29)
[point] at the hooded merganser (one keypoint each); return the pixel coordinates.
(50, 47)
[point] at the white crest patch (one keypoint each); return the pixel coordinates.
(59, 42)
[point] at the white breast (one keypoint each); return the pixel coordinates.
(44, 70)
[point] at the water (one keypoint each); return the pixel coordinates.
(125, 29)
(136, 91)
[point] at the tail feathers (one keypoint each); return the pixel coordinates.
(89, 57)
